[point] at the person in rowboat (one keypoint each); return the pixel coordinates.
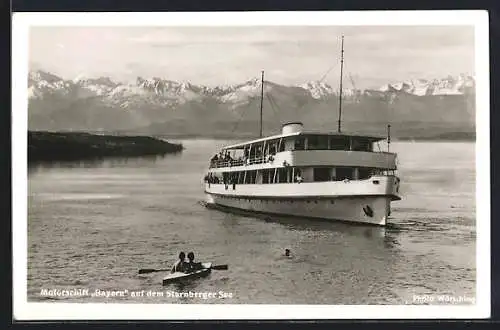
(180, 265)
(191, 265)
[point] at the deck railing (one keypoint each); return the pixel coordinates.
(265, 159)
(241, 161)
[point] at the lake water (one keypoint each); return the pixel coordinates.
(94, 225)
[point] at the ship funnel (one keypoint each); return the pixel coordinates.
(290, 128)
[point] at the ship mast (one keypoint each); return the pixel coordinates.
(261, 101)
(340, 90)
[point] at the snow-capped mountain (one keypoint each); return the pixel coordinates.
(318, 89)
(102, 104)
(155, 90)
(241, 93)
(42, 83)
(462, 84)
(321, 90)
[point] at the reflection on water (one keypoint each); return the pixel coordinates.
(301, 223)
(100, 162)
(387, 234)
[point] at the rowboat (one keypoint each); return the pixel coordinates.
(179, 277)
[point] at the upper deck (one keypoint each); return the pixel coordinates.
(332, 136)
(296, 147)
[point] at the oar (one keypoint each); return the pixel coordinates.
(219, 267)
(150, 270)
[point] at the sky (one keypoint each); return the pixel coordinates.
(373, 55)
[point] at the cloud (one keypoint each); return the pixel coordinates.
(291, 54)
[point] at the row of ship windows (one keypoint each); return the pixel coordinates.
(260, 152)
(309, 142)
(292, 174)
(274, 201)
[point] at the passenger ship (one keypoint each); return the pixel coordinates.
(327, 175)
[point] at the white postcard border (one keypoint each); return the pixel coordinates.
(63, 311)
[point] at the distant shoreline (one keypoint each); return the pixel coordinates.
(450, 136)
(445, 137)
(46, 146)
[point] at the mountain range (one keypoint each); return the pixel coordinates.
(166, 107)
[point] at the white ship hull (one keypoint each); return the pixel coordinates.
(370, 204)
(349, 209)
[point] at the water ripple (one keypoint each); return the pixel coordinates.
(141, 214)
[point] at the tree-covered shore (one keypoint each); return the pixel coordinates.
(75, 146)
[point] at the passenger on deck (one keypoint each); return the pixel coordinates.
(298, 178)
(213, 160)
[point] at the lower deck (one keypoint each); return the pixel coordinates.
(361, 201)
(374, 186)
